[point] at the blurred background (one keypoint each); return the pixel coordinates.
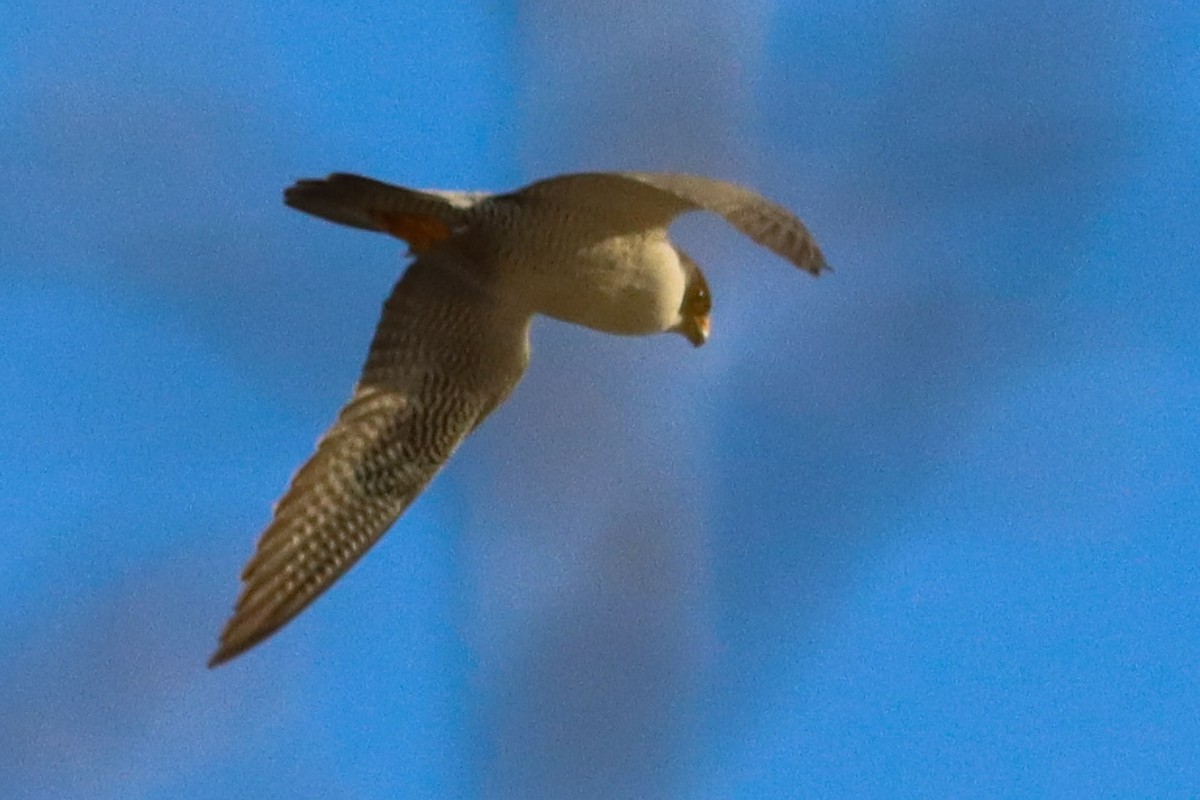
(925, 527)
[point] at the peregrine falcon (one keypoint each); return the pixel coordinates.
(453, 340)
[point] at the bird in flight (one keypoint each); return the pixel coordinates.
(453, 340)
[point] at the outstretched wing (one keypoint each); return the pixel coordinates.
(444, 355)
(656, 198)
(420, 217)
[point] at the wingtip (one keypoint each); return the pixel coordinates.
(813, 262)
(238, 636)
(234, 642)
(223, 654)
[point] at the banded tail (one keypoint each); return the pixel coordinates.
(421, 218)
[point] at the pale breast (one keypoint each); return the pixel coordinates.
(625, 285)
(590, 269)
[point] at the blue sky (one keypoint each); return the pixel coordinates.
(923, 528)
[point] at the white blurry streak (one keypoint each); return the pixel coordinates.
(588, 547)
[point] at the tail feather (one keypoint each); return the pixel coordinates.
(418, 217)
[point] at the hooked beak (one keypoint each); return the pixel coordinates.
(696, 329)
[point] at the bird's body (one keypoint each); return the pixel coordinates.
(453, 340)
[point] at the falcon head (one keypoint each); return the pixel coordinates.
(697, 303)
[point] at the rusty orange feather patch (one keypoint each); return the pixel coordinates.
(421, 231)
